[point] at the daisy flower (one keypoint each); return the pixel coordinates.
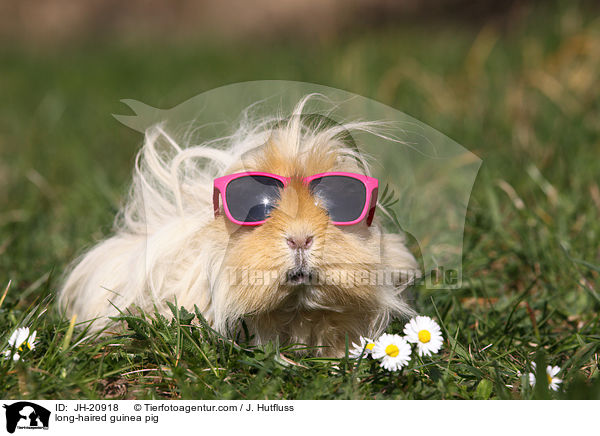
(366, 344)
(393, 350)
(551, 372)
(16, 356)
(21, 339)
(424, 332)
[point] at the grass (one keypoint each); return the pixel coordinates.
(524, 97)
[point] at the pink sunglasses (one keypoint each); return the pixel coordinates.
(249, 197)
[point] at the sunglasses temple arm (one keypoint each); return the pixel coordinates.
(216, 193)
(372, 206)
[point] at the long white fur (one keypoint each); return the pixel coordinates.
(154, 255)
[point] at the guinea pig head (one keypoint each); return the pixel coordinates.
(297, 260)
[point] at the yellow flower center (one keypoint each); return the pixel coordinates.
(370, 346)
(391, 350)
(424, 336)
(23, 345)
(549, 378)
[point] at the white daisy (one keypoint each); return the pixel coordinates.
(551, 372)
(366, 344)
(426, 333)
(21, 339)
(16, 356)
(393, 350)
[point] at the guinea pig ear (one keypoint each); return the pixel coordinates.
(372, 207)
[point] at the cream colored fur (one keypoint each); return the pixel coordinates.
(169, 246)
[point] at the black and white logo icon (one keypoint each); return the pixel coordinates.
(26, 415)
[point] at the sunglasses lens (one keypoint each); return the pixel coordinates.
(344, 197)
(251, 198)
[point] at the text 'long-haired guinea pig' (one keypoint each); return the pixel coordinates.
(274, 226)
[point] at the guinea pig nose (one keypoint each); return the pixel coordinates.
(302, 242)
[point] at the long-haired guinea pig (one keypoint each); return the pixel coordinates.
(274, 226)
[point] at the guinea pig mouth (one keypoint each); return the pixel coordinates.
(299, 276)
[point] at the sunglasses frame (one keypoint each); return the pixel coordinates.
(371, 187)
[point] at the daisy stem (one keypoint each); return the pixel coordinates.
(393, 379)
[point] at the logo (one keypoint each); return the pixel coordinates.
(26, 415)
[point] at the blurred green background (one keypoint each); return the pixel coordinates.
(517, 83)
